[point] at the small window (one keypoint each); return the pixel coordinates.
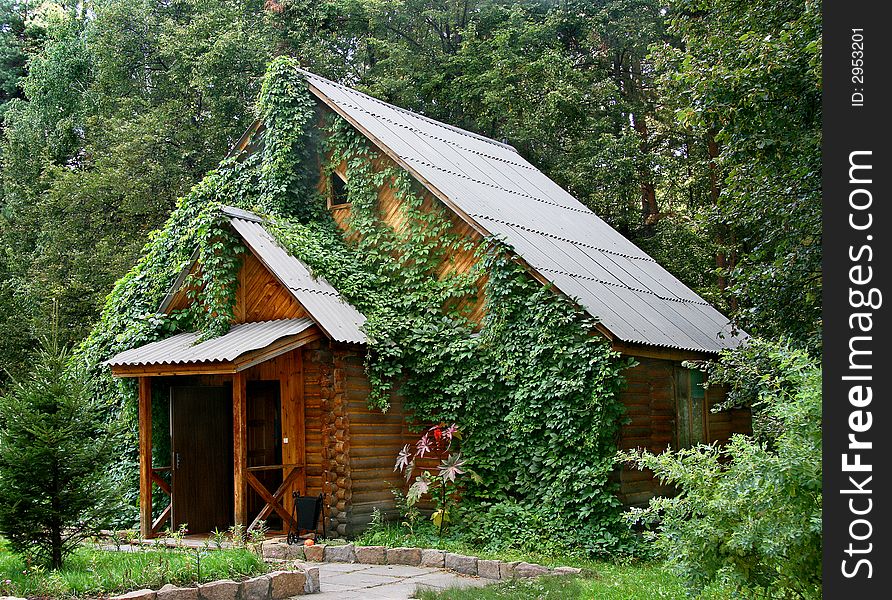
(338, 191)
(690, 399)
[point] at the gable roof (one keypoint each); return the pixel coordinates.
(495, 190)
(336, 317)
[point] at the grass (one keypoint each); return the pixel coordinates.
(90, 572)
(611, 582)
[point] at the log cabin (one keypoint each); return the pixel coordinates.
(279, 403)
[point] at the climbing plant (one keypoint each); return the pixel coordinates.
(532, 386)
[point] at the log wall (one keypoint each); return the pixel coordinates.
(649, 400)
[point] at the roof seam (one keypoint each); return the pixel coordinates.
(626, 287)
(439, 139)
(563, 239)
(457, 130)
(315, 291)
(584, 211)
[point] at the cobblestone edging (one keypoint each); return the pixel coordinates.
(416, 557)
(277, 585)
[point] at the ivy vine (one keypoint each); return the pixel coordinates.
(532, 386)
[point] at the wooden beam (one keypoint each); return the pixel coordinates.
(272, 500)
(221, 368)
(162, 518)
(156, 479)
(240, 447)
(145, 456)
(642, 351)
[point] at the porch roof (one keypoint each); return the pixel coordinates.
(245, 345)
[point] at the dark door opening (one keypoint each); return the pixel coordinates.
(201, 457)
(264, 432)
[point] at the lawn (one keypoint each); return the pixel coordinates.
(648, 581)
(92, 572)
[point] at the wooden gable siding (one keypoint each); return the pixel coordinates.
(392, 213)
(260, 296)
(649, 401)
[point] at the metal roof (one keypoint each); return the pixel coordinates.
(497, 191)
(334, 315)
(182, 349)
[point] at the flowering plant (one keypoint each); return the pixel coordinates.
(436, 442)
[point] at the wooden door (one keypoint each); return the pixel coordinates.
(264, 434)
(201, 457)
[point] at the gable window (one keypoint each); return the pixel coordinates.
(337, 191)
(690, 398)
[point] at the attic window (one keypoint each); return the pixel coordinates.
(337, 191)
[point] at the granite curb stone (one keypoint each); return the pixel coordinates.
(466, 565)
(371, 555)
(404, 556)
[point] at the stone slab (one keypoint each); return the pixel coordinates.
(256, 588)
(371, 555)
(172, 592)
(136, 595)
(525, 569)
(340, 554)
(403, 556)
(314, 553)
(506, 569)
(224, 589)
(312, 584)
(399, 570)
(433, 558)
(488, 569)
(286, 584)
(467, 565)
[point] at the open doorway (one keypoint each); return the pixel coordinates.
(264, 433)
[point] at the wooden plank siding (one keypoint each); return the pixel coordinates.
(651, 412)
(260, 296)
(392, 213)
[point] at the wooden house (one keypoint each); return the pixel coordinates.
(279, 403)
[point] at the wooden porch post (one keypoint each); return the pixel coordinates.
(240, 448)
(145, 457)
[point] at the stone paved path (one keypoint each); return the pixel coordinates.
(396, 582)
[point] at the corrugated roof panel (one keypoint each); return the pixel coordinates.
(616, 282)
(182, 349)
(337, 318)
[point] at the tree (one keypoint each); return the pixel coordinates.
(745, 79)
(55, 450)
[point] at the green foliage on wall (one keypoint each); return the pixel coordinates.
(533, 388)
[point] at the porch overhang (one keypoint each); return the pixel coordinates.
(245, 345)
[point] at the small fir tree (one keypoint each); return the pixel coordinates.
(54, 459)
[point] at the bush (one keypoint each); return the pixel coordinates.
(54, 456)
(748, 515)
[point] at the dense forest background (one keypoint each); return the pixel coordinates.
(692, 126)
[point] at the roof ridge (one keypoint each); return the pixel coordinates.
(238, 213)
(458, 130)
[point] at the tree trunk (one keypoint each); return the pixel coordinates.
(723, 261)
